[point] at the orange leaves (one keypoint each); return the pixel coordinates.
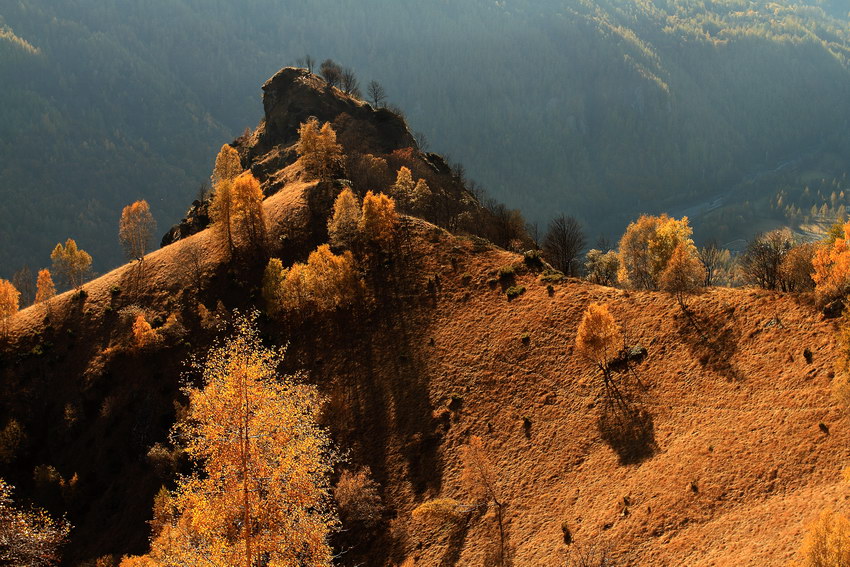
(598, 337)
(647, 246)
(71, 262)
(8, 303)
(44, 286)
(831, 265)
(325, 282)
(827, 541)
(343, 224)
(684, 272)
(379, 220)
(320, 154)
(135, 229)
(143, 334)
(248, 216)
(260, 490)
(28, 537)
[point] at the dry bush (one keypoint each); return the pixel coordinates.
(441, 513)
(796, 268)
(684, 273)
(359, 499)
(602, 267)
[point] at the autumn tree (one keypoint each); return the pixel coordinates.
(28, 538)
(143, 334)
(135, 229)
(602, 267)
(71, 263)
(402, 189)
(379, 220)
(272, 281)
(711, 257)
(481, 480)
(318, 149)
(563, 242)
(376, 93)
(827, 541)
(8, 304)
(260, 494)
(222, 207)
(44, 286)
(345, 220)
(646, 248)
(831, 267)
(598, 339)
(249, 219)
(684, 273)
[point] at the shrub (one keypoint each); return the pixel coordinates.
(442, 513)
(466, 278)
(359, 499)
(533, 259)
(515, 291)
(525, 338)
(827, 541)
(506, 272)
(552, 276)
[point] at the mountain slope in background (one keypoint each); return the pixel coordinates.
(622, 107)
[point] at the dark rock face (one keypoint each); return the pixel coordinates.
(291, 97)
(197, 219)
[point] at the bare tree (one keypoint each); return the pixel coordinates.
(306, 62)
(711, 257)
(761, 261)
(421, 140)
(24, 282)
(376, 93)
(349, 83)
(563, 242)
(331, 72)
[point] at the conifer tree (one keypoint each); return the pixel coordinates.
(379, 220)
(8, 304)
(343, 224)
(320, 153)
(135, 229)
(143, 333)
(402, 189)
(45, 289)
(260, 494)
(249, 219)
(71, 262)
(223, 206)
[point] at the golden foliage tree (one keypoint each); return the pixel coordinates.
(44, 286)
(143, 334)
(8, 304)
(71, 263)
(321, 155)
(135, 229)
(28, 538)
(343, 224)
(249, 220)
(647, 246)
(223, 206)
(684, 273)
(402, 189)
(598, 338)
(359, 499)
(379, 219)
(260, 495)
(831, 268)
(325, 282)
(796, 268)
(481, 480)
(272, 280)
(827, 541)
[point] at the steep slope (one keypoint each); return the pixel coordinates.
(745, 444)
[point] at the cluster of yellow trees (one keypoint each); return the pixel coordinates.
(327, 280)
(236, 209)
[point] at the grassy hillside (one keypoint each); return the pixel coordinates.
(738, 446)
(579, 107)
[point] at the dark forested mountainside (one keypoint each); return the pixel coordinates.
(580, 106)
